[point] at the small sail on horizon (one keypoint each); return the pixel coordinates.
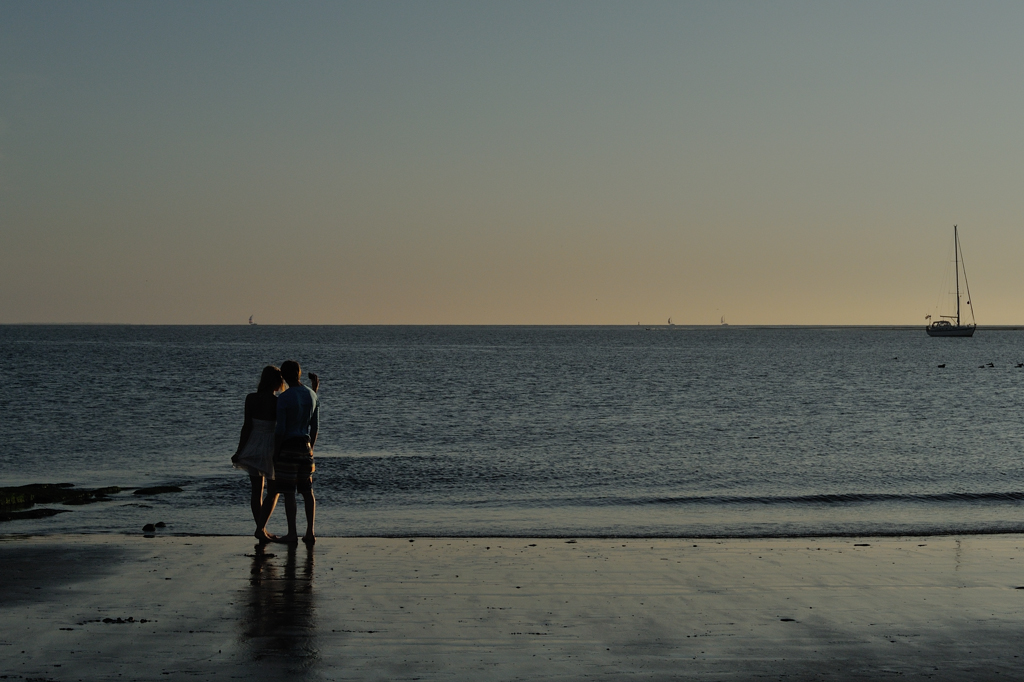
(250, 320)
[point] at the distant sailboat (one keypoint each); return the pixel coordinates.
(670, 322)
(250, 320)
(724, 323)
(944, 327)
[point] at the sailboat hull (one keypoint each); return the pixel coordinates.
(951, 331)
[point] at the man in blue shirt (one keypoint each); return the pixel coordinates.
(298, 420)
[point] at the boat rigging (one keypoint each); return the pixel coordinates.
(945, 326)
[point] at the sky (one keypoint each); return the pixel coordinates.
(508, 163)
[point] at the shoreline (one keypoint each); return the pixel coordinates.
(927, 607)
(825, 535)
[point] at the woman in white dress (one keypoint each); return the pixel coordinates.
(255, 451)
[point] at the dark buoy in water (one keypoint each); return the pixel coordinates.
(942, 366)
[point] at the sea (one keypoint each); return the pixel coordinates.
(512, 431)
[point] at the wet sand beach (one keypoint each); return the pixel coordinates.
(89, 607)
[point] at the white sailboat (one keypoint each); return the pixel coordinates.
(945, 326)
(724, 323)
(250, 320)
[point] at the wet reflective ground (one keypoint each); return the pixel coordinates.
(103, 607)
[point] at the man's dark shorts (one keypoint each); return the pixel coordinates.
(293, 467)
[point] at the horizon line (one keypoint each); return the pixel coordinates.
(662, 326)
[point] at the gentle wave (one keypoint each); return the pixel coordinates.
(928, 532)
(724, 501)
(821, 499)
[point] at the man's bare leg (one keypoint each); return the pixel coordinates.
(310, 501)
(290, 511)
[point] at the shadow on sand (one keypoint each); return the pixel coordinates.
(279, 617)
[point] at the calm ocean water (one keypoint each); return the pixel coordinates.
(618, 431)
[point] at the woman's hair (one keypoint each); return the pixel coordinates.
(270, 380)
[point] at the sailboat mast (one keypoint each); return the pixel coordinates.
(956, 260)
(945, 327)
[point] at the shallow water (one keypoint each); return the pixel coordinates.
(534, 430)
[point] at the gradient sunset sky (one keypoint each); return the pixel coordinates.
(508, 163)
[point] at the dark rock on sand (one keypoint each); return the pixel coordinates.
(148, 528)
(156, 490)
(30, 514)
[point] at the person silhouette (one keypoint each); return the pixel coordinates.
(255, 453)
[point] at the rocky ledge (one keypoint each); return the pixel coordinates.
(15, 502)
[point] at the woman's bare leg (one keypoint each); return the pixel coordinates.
(265, 511)
(310, 502)
(256, 498)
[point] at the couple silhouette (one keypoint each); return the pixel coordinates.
(276, 448)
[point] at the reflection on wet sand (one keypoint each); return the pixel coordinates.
(278, 620)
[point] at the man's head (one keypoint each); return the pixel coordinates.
(291, 372)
